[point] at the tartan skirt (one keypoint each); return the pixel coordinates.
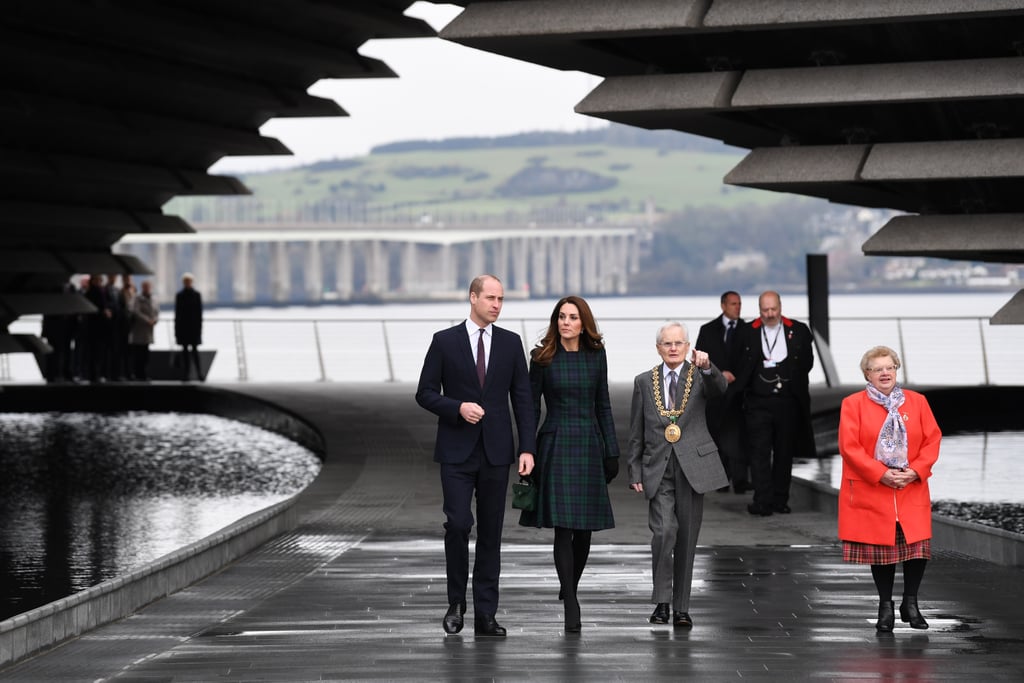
(867, 553)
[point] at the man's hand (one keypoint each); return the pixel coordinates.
(638, 487)
(525, 464)
(471, 412)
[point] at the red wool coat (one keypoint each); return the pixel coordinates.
(868, 509)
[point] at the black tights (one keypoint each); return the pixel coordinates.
(885, 576)
(572, 548)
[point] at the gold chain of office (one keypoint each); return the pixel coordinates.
(656, 379)
(672, 432)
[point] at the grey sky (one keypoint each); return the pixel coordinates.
(443, 90)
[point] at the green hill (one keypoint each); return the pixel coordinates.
(609, 173)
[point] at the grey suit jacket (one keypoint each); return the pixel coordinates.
(696, 452)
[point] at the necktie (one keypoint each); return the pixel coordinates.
(729, 332)
(481, 360)
(671, 389)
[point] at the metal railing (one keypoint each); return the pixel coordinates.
(933, 350)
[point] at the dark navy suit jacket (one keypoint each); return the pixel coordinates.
(449, 379)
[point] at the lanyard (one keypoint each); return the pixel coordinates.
(771, 347)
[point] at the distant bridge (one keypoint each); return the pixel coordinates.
(260, 263)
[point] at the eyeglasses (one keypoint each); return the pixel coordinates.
(887, 368)
(672, 345)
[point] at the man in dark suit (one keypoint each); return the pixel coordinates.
(719, 338)
(469, 374)
(673, 462)
(188, 326)
(778, 357)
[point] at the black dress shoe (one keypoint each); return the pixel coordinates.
(886, 617)
(453, 620)
(681, 620)
(661, 614)
(487, 626)
(758, 509)
(781, 507)
(910, 612)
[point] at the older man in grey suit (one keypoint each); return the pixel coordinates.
(674, 461)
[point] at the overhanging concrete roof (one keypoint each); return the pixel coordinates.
(110, 109)
(916, 105)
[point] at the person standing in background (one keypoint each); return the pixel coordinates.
(123, 326)
(97, 331)
(117, 334)
(188, 326)
(144, 314)
(577, 451)
(470, 375)
(720, 339)
(777, 361)
(58, 330)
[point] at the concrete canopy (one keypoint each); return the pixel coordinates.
(110, 109)
(914, 105)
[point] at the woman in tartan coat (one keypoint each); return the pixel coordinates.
(889, 441)
(577, 452)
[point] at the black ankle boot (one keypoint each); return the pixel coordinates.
(572, 615)
(886, 616)
(910, 612)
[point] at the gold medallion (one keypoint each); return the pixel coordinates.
(672, 433)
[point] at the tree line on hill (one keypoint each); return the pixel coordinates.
(614, 134)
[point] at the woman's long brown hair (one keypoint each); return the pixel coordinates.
(590, 338)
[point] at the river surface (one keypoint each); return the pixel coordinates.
(87, 497)
(944, 338)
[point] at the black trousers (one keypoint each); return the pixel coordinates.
(773, 423)
(190, 357)
(459, 483)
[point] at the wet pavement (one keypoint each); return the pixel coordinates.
(357, 590)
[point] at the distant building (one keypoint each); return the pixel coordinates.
(744, 261)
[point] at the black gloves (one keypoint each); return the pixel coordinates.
(611, 469)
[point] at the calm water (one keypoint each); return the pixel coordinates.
(976, 468)
(87, 497)
(374, 343)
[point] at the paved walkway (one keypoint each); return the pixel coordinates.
(357, 591)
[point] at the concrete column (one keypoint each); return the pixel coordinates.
(519, 268)
(244, 278)
(477, 259)
(206, 271)
(556, 250)
(539, 265)
(629, 247)
(313, 271)
(343, 273)
(376, 268)
(166, 279)
(589, 247)
(624, 250)
(574, 265)
(500, 266)
(409, 278)
(448, 267)
(280, 272)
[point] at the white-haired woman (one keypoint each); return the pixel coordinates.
(889, 441)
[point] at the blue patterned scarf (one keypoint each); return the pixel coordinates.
(891, 447)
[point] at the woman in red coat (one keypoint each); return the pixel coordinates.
(889, 440)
